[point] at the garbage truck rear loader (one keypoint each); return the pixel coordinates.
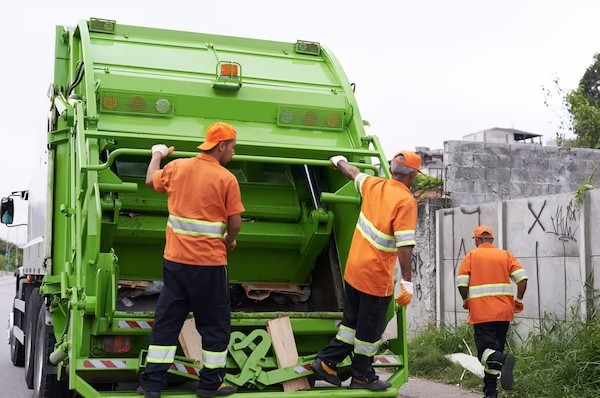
(93, 266)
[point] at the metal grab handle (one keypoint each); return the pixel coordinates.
(241, 158)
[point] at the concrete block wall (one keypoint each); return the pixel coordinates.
(552, 236)
(479, 172)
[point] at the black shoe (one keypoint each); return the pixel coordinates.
(223, 390)
(374, 385)
(325, 372)
(491, 395)
(506, 377)
(148, 394)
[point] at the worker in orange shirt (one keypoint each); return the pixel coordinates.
(385, 230)
(205, 207)
(483, 281)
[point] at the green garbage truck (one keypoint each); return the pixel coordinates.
(92, 269)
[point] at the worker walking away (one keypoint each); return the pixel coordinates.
(385, 230)
(483, 281)
(205, 207)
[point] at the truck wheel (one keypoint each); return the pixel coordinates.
(45, 383)
(32, 309)
(17, 351)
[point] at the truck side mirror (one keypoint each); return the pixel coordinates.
(7, 210)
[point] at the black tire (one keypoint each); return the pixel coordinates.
(32, 310)
(45, 383)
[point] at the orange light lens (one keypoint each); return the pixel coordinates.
(310, 118)
(110, 102)
(229, 70)
(333, 120)
(136, 104)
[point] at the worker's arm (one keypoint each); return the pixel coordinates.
(346, 168)
(234, 224)
(406, 286)
(521, 287)
(405, 260)
(158, 152)
(464, 292)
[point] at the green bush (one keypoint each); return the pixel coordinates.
(557, 359)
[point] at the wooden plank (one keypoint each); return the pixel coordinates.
(286, 351)
(190, 340)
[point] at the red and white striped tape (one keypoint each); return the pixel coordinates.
(302, 369)
(103, 364)
(184, 368)
(136, 324)
(385, 359)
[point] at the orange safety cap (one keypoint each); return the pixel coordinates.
(217, 132)
(480, 230)
(411, 160)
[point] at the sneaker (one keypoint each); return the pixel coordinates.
(148, 394)
(506, 377)
(223, 390)
(374, 385)
(325, 372)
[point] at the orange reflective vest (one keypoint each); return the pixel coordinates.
(202, 196)
(387, 220)
(487, 272)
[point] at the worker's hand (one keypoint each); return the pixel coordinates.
(466, 304)
(162, 149)
(228, 244)
(518, 307)
(335, 160)
(406, 293)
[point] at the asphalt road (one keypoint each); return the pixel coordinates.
(13, 378)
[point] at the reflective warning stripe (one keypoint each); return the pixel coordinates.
(358, 181)
(213, 360)
(179, 367)
(381, 241)
(346, 334)
(190, 226)
(492, 289)
(135, 324)
(518, 275)
(405, 237)
(365, 348)
(161, 353)
(103, 364)
(462, 280)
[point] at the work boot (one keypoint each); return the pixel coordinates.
(148, 394)
(506, 377)
(223, 390)
(491, 395)
(325, 372)
(374, 385)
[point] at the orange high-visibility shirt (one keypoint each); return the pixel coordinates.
(202, 195)
(487, 272)
(387, 220)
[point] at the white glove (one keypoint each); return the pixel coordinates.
(336, 160)
(162, 149)
(408, 286)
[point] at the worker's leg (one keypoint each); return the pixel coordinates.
(209, 290)
(369, 328)
(171, 310)
(508, 360)
(489, 352)
(343, 343)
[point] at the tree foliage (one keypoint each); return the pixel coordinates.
(584, 105)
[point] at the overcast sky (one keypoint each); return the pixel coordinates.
(452, 67)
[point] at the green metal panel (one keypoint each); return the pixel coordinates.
(141, 86)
